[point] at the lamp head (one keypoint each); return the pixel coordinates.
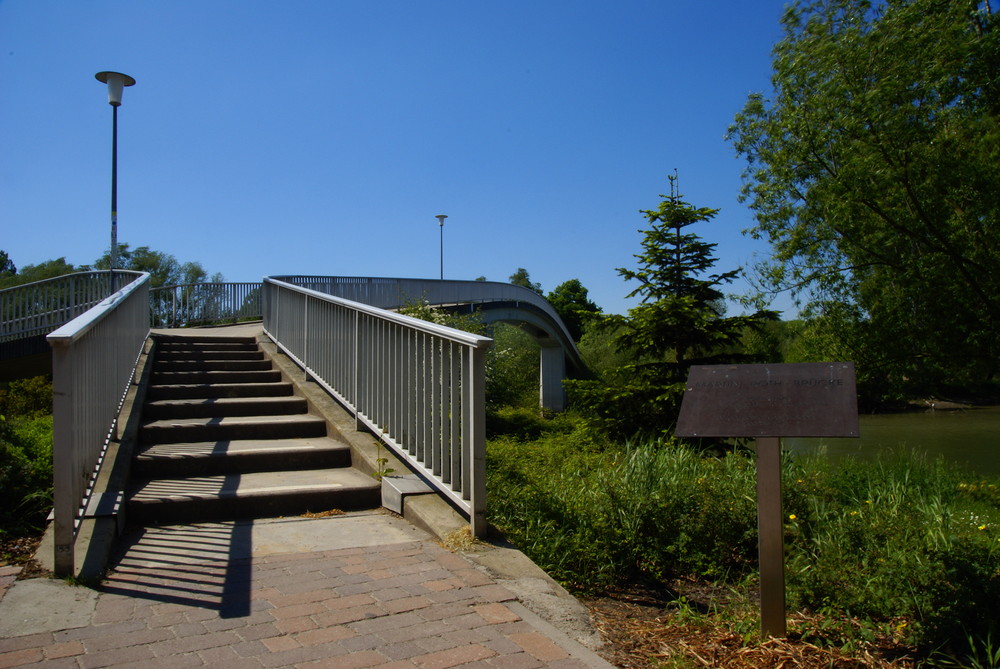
(440, 218)
(116, 81)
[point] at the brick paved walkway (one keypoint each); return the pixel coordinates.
(404, 604)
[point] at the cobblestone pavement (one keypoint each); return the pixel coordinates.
(405, 604)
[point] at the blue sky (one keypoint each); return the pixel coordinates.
(322, 137)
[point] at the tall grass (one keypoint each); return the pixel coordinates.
(904, 542)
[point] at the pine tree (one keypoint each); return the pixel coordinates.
(680, 321)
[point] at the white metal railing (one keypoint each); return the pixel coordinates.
(204, 303)
(93, 361)
(40, 307)
(419, 386)
(392, 293)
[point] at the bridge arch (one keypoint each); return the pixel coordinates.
(495, 300)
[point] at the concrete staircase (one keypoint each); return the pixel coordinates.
(223, 436)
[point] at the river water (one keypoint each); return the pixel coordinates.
(970, 437)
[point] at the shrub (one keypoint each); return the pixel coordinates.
(25, 455)
(909, 545)
(25, 473)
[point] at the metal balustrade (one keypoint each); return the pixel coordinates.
(42, 306)
(419, 386)
(204, 303)
(93, 360)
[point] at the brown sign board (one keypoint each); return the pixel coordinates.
(811, 399)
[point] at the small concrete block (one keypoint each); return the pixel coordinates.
(395, 488)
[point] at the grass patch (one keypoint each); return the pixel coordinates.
(903, 548)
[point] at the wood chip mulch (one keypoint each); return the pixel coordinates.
(644, 630)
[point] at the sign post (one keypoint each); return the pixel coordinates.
(768, 402)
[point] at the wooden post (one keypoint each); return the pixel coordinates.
(770, 538)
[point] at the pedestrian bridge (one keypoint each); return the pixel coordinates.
(417, 386)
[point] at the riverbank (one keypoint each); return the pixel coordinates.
(902, 548)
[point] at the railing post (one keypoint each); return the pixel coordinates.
(358, 425)
(476, 440)
(64, 482)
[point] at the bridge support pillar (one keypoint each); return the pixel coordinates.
(551, 372)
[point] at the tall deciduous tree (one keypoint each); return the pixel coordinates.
(680, 321)
(873, 171)
(163, 268)
(571, 301)
(522, 278)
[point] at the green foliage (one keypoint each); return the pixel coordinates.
(872, 171)
(29, 273)
(27, 398)
(25, 455)
(908, 546)
(599, 352)
(521, 278)
(512, 368)
(900, 538)
(163, 268)
(7, 266)
(574, 307)
(680, 322)
(511, 363)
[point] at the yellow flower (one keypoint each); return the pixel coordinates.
(982, 527)
(792, 516)
(854, 513)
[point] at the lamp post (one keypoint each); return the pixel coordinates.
(116, 82)
(440, 218)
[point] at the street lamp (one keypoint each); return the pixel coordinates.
(440, 218)
(116, 82)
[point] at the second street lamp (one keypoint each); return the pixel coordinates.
(116, 82)
(440, 218)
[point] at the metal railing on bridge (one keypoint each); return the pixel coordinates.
(212, 303)
(418, 385)
(42, 306)
(93, 360)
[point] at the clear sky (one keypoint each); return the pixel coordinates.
(323, 136)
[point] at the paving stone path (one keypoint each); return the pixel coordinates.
(403, 604)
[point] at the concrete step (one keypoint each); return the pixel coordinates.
(208, 365)
(212, 377)
(206, 391)
(242, 456)
(229, 428)
(203, 340)
(259, 495)
(202, 354)
(225, 406)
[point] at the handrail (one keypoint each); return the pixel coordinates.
(204, 303)
(392, 293)
(418, 386)
(41, 306)
(93, 361)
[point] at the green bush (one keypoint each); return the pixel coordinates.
(900, 538)
(25, 473)
(907, 544)
(25, 455)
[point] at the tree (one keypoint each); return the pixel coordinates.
(873, 172)
(521, 278)
(571, 302)
(30, 273)
(7, 266)
(163, 268)
(678, 323)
